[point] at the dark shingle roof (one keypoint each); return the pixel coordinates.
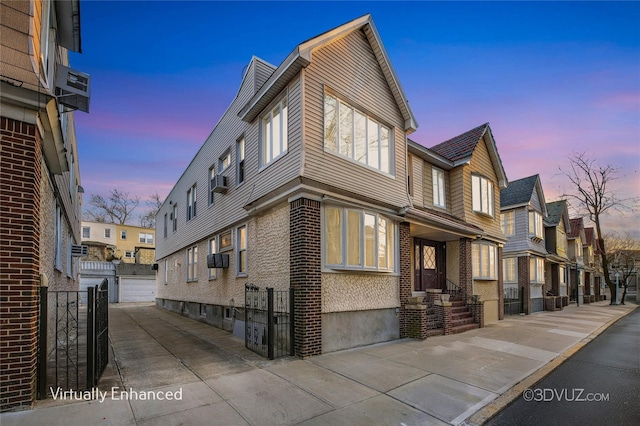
(589, 235)
(461, 146)
(576, 226)
(518, 192)
(554, 211)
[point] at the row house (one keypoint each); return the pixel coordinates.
(309, 182)
(40, 187)
(557, 226)
(114, 241)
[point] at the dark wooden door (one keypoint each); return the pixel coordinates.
(429, 264)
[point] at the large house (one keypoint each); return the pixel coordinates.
(114, 241)
(40, 180)
(557, 226)
(308, 181)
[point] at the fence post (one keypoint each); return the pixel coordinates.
(42, 344)
(91, 348)
(270, 325)
(292, 331)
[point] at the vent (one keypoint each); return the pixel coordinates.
(79, 251)
(74, 87)
(219, 183)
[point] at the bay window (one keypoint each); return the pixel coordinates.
(536, 270)
(482, 191)
(536, 227)
(509, 269)
(484, 257)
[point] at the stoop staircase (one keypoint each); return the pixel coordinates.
(461, 317)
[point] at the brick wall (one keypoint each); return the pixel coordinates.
(500, 286)
(523, 282)
(305, 275)
(20, 176)
(466, 266)
(405, 277)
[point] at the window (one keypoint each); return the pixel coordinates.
(561, 241)
(192, 263)
(146, 238)
(482, 189)
(357, 239)
(536, 227)
(174, 217)
(129, 254)
(353, 134)
(509, 269)
(166, 271)
(242, 250)
(226, 242)
(107, 233)
(69, 258)
(274, 133)
(563, 274)
(578, 247)
(224, 161)
(212, 250)
(58, 239)
(508, 224)
(484, 257)
(438, 187)
(86, 232)
(123, 234)
(240, 160)
(166, 224)
(212, 184)
(191, 202)
(536, 269)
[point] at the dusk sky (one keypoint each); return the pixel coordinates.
(551, 78)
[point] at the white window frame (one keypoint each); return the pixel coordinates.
(373, 130)
(213, 245)
(174, 218)
(123, 234)
(88, 234)
(224, 161)
(107, 233)
(536, 225)
(192, 197)
(482, 252)
(268, 139)
(128, 254)
(192, 264)
(508, 223)
(482, 195)
(562, 271)
(536, 270)
(439, 193)
(240, 163)
(510, 264)
(242, 251)
(382, 225)
(212, 184)
(145, 238)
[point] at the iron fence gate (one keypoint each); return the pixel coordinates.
(513, 301)
(74, 347)
(268, 321)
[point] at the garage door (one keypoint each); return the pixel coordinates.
(136, 289)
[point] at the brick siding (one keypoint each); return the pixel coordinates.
(305, 276)
(20, 176)
(523, 282)
(466, 266)
(405, 279)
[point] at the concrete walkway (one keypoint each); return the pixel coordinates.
(456, 379)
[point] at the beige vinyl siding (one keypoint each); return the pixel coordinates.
(418, 166)
(460, 192)
(349, 68)
(262, 73)
(227, 209)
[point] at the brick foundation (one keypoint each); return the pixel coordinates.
(523, 282)
(466, 266)
(305, 275)
(406, 317)
(20, 176)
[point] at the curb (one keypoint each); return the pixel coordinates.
(511, 395)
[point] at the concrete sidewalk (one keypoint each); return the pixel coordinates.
(456, 379)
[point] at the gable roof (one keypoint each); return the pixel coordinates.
(589, 235)
(557, 211)
(577, 228)
(518, 192)
(459, 150)
(301, 57)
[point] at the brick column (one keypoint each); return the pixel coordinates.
(523, 282)
(20, 176)
(444, 312)
(500, 288)
(555, 279)
(466, 266)
(405, 277)
(305, 275)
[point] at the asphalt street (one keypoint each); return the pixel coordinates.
(600, 384)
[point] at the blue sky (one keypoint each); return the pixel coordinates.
(551, 78)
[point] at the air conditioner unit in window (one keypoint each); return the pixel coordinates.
(74, 87)
(79, 251)
(218, 260)
(220, 183)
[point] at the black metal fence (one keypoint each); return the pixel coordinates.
(513, 301)
(73, 351)
(268, 321)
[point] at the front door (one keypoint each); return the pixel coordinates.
(429, 264)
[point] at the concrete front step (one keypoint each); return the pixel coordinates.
(463, 328)
(462, 321)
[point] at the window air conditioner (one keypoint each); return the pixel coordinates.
(220, 183)
(218, 260)
(79, 251)
(74, 87)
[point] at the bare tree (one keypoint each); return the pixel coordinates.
(624, 258)
(593, 193)
(148, 220)
(117, 208)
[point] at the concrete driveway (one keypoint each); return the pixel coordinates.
(443, 380)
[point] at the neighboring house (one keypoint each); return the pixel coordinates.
(40, 180)
(303, 184)
(593, 267)
(557, 226)
(575, 243)
(523, 212)
(108, 241)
